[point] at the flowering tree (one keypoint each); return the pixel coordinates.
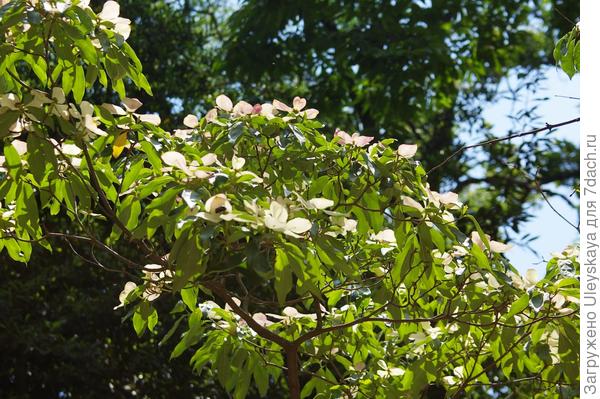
(321, 258)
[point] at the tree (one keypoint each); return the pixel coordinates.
(419, 72)
(328, 262)
(362, 68)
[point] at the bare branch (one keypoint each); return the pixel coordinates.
(499, 139)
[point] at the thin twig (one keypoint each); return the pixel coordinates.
(499, 139)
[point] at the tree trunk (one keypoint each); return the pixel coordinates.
(293, 372)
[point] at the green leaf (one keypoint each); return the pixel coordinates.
(518, 306)
(68, 78)
(79, 84)
(88, 51)
(189, 296)
(261, 376)
(139, 324)
(283, 275)
(7, 119)
(152, 155)
(13, 160)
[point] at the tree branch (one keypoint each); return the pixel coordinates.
(267, 334)
(499, 139)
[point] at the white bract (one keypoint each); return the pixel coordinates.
(355, 140)
(110, 13)
(407, 150)
(276, 218)
(320, 203)
(190, 121)
(224, 103)
(217, 208)
(495, 246)
(129, 287)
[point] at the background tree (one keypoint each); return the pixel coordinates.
(176, 31)
(328, 262)
(422, 71)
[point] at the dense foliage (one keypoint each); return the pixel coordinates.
(419, 72)
(322, 258)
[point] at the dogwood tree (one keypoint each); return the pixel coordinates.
(292, 250)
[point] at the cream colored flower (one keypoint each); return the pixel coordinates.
(110, 13)
(276, 218)
(129, 287)
(217, 208)
(355, 140)
(406, 150)
(495, 246)
(223, 102)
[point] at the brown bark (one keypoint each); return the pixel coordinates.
(293, 371)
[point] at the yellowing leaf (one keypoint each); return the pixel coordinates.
(120, 143)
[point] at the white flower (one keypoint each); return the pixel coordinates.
(320, 203)
(237, 163)
(406, 150)
(558, 300)
(207, 310)
(298, 103)
(242, 108)
(262, 319)
(56, 7)
(418, 337)
(224, 103)
(526, 283)
(209, 159)
(276, 218)
(495, 246)
(39, 99)
(433, 332)
(449, 199)
(553, 342)
(281, 106)
(152, 119)
(347, 225)
(114, 109)
(70, 149)
(176, 159)
(355, 140)
(110, 13)
(408, 201)
(217, 208)
(190, 121)
(459, 375)
(129, 287)
(88, 121)
(385, 236)
(20, 146)
(290, 314)
(156, 277)
(310, 113)
(131, 104)
(386, 372)
(268, 110)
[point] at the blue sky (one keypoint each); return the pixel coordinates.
(554, 233)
